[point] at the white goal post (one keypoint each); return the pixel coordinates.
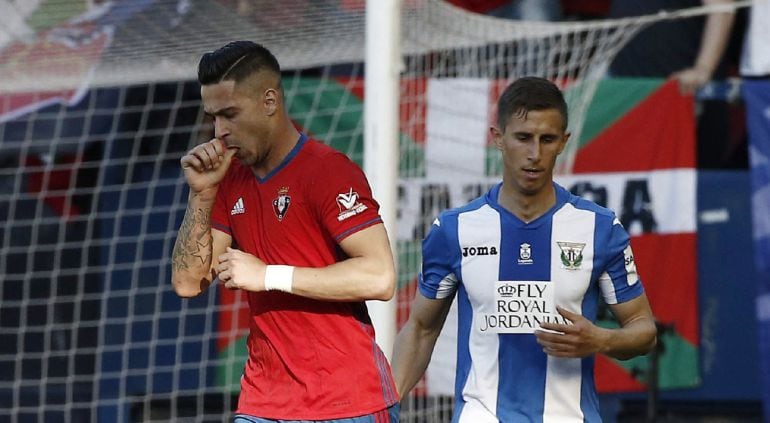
(383, 65)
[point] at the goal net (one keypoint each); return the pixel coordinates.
(97, 105)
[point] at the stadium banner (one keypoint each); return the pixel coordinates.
(636, 156)
(71, 39)
(756, 94)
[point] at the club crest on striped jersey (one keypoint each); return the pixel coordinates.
(525, 253)
(571, 254)
(349, 205)
(281, 203)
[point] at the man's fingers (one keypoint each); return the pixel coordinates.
(208, 156)
(219, 147)
(550, 348)
(212, 151)
(192, 161)
(555, 345)
(544, 337)
(572, 317)
(227, 258)
(203, 158)
(555, 327)
(227, 157)
(558, 353)
(211, 157)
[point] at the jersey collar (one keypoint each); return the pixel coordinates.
(294, 151)
(562, 196)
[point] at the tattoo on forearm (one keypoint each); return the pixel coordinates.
(193, 243)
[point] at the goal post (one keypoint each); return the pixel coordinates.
(381, 148)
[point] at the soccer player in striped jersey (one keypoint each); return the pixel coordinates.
(528, 263)
(293, 223)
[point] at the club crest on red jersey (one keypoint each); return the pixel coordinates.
(349, 205)
(281, 203)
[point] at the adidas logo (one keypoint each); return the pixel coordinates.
(238, 207)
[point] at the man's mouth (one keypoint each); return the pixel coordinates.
(235, 148)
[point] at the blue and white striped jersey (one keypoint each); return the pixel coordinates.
(509, 276)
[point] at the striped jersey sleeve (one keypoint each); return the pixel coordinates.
(438, 278)
(620, 281)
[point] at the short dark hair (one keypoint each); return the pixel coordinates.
(530, 93)
(236, 61)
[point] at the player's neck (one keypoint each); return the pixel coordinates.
(526, 207)
(284, 141)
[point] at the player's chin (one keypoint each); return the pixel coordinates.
(245, 159)
(530, 187)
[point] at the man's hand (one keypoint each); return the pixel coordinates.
(239, 270)
(691, 79)
(577, 340)
(205, 165)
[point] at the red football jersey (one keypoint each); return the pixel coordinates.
(308, 359)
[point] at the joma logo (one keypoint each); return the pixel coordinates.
(479, 251)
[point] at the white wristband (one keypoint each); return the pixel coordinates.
(279, 277)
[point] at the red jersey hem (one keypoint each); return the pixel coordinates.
(357, 228)
(221, 228)
(316, 416)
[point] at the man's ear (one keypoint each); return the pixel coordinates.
(497, 137)
(271, 101)
(564, 143)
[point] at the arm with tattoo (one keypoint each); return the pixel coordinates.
(191, 259)
(204, 168)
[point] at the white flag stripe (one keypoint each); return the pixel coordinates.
(456, 127)
(672, 195)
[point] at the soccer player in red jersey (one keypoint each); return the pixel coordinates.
(311, 248)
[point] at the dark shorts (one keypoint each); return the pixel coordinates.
(390, 415)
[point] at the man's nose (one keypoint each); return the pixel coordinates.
(220, 129)
(533, 153)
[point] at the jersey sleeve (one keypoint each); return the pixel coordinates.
(438, 280)
(620, 281)
(342, 197)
